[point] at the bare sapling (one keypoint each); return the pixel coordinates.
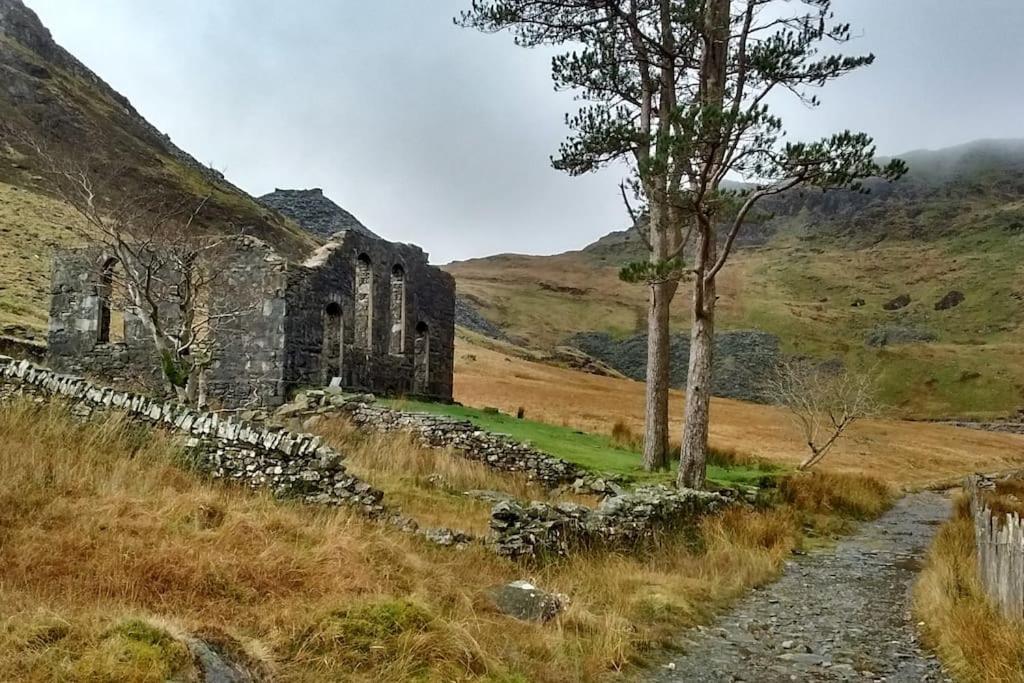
(824, 402)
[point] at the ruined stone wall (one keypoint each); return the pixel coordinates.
(357, 274)
(498, 451)
(289, 464)
(249, 364)
(73, 339)
(625, 522)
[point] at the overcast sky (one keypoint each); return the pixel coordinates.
(438, 135)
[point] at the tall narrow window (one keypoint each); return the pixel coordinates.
(333, 353)
(364, 303)
(110, 323)
(396, 342)
(421, 359)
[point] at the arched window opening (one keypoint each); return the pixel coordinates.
(333, 352)
(421, 359)
(396, 342)
(110, 327)
(364, 302)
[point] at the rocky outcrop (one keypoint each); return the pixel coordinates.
(289, 464)
(540, 531)
(314, 212)
(895, 304)
(952, 299)
(742, 359)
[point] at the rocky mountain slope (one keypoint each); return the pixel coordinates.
(923, 278)
(314, 212)
(49, 94)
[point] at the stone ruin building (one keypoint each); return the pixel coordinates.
(361, 313)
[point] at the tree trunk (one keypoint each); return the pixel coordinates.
(659, 361)
(693, 453)
(693, 456)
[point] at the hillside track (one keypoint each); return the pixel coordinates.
(840, 614)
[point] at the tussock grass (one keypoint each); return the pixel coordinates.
(623, 436)
(848, 495)
(106, 545)
(975, 643)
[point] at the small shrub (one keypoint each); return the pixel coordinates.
(135, 651)
(852, 495)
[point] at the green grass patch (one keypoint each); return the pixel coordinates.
(594, 452)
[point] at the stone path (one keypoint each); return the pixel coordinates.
(836, 615)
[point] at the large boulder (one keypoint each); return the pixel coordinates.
(524, 601)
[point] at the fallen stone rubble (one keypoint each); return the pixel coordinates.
(539, 531)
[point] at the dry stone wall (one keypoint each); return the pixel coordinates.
(623, 522)
(291, 465)
(498, 451)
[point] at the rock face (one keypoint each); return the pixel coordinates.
(523, 600)
(622, 522)
(952, 299)
(314, 212)
(742, 360)
(902, 301)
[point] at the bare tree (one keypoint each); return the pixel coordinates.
(168, 270)
(824, 402)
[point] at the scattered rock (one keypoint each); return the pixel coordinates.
(902, 301)
(524, 601)
(951, 300)
(447, 538)
(468, 316)
(858, 303)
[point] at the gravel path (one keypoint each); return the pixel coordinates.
(836, 615)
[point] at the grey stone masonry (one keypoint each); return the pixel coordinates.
(625, 522)
(360, 313)
(291, 465)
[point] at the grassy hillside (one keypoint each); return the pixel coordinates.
(956, 224)
(906, 454)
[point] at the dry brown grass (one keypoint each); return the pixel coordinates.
(430, 484)
(102, 535)
(903, 454)
(854, 496)
(975, 643)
